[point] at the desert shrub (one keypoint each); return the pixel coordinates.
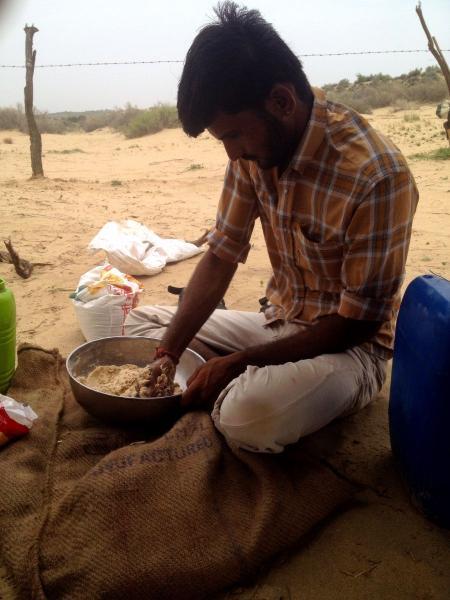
(12, 118)
(7, 140)
(130, 120)
(343, 84)
(66, 151)
(360, 78)
(96, 120)
(428, 91)
(152, 120)
(48, 124)
(115, 119)
(379, 90)
(439, 154)
(358, 102)
(122, 117)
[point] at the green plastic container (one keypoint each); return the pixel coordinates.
(7, 336)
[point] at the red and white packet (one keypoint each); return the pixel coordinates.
(16, 419)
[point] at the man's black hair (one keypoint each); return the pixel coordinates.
(232, 65)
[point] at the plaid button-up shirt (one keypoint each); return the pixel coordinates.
(337, 223)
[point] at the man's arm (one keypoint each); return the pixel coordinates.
(207, 286)
(229, 245)
(331, 334)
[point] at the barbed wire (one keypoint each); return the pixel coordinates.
(157, 62)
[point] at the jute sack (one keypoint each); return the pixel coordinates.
(180, 517)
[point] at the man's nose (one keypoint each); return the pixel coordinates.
(233, 149)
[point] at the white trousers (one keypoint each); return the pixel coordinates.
(267, 408)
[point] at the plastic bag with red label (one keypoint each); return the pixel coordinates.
(16, 419)
(102, 301)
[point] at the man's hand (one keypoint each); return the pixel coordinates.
(164, 366)
(209, 380)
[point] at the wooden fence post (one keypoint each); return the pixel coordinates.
(433, 47)
(35, 136)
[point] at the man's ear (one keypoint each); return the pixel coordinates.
(282, 101)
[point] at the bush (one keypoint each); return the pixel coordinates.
(152, 120)
(439, 154)
(96, 120)
(428, 91)
(66, 151)
(12, 118)
(376, 91)
(130, 120)
(122, 117)
(7, 140)
(359, 102)
(49, 124)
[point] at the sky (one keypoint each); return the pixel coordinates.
(118, 30)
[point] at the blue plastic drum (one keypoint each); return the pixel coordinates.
(419, 409)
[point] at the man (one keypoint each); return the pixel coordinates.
(336, 202)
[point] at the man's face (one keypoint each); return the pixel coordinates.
(254, 135)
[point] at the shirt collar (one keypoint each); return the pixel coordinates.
(313, 134)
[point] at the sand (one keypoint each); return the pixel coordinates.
(382, 548)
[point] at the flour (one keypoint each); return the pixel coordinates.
(128, 380)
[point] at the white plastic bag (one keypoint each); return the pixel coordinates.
(16, 419)
(135, 249)
(102, 301)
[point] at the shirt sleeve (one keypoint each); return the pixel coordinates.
(377, 242)
(236, 214)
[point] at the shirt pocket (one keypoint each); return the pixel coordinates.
(322, 259)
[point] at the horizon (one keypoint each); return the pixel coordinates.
(99, 33)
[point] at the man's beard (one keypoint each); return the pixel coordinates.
(280, 145)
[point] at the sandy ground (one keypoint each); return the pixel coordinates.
(381, 548)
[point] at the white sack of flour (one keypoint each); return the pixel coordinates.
(135, 249)
(102, 301)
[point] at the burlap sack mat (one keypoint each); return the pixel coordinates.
(86, 515)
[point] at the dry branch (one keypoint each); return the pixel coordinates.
(435, 50)
(23, 267)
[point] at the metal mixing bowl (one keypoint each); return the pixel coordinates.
(120, 351)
